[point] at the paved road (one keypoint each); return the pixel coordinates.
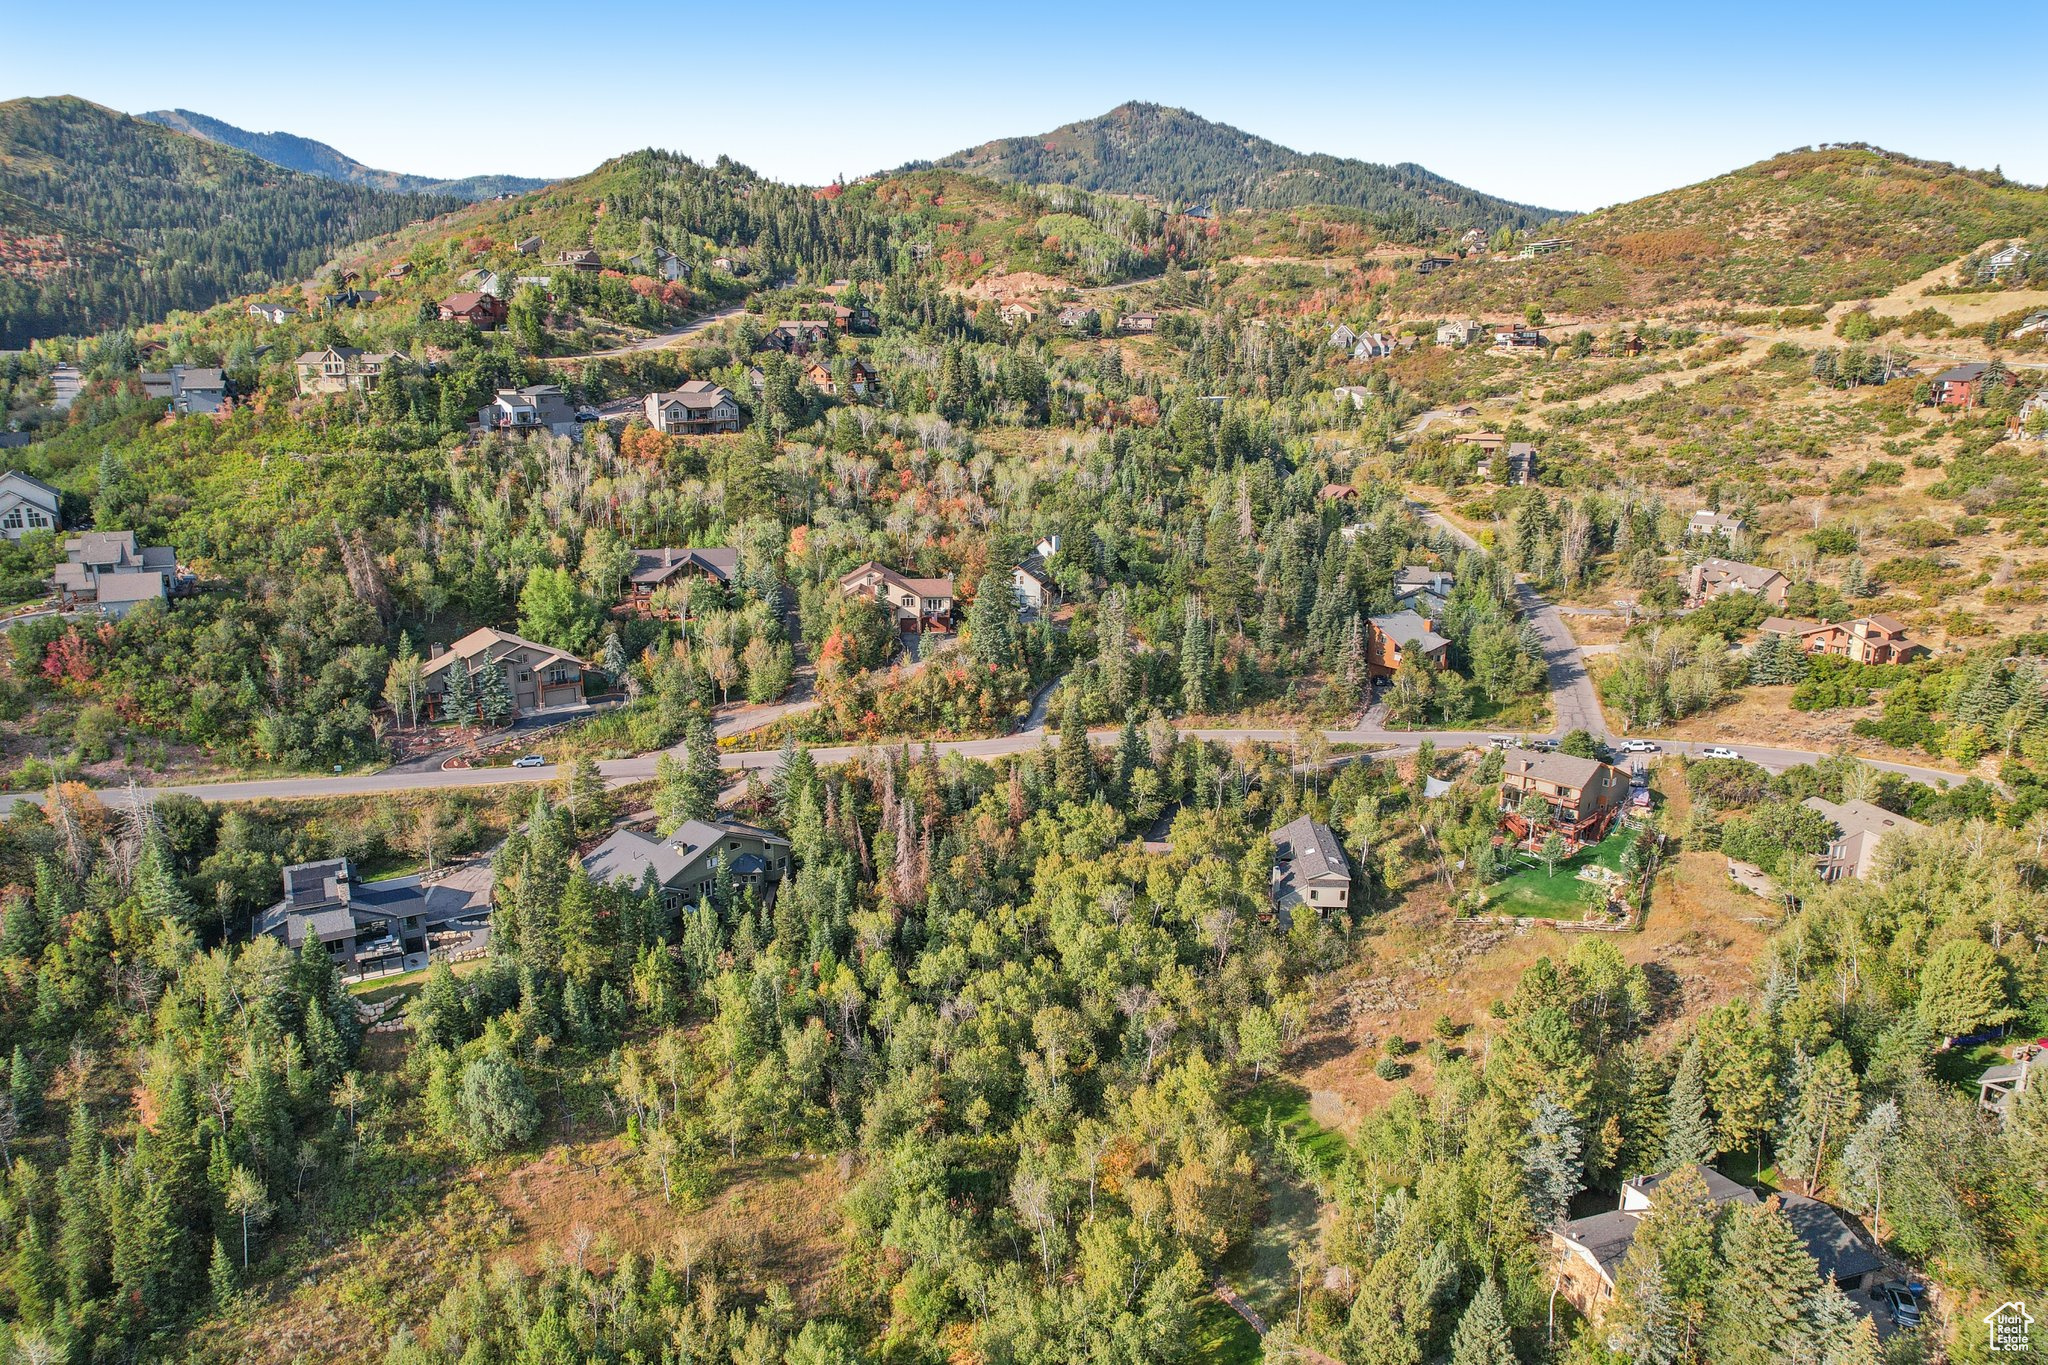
(1573, 702)
(660, 340)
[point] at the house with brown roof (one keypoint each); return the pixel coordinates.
(582, 258)
(1861, 827)
(1711, 578)
(1138, 322)
(1397, 637)
(1337, 492)
(1017, 313)
(476, 309)
(656, 569)
(795, 337)
(340, 369)
(919, 604)
(698, 408)
(1584, 794)
(1865, 640)
(539, 677)
(1707, 523)
(861, 379)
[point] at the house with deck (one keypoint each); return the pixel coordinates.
(108, 570)
(698, 408)
(1716, 577)
(656, 569)
(537, 407)
(682, 866)
(1963, 386)
(1860, 828)
(1395, 638)
(368, 928)
(1866, 640)
(1309, 868)
(538, 677)
(344, 369)
(480, 310)
(1584, 795)
(919, 604)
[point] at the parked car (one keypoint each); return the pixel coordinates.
(529, 761)
(1640, 746)
(1900, 1300)
(1543, 746)
(1500, 742)
(1718, 751)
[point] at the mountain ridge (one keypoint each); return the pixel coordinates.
(1172, 154)
(311, 157)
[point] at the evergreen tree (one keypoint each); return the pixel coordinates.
(24, 1087)
(459, 703)
(1482, 1337)
(1688, 1132)
(1076, 765)
(701, 778)
(1552, 1161)
(992, 624)
(1194, 660)
(493, 695)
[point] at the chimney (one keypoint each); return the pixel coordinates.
(436, 651)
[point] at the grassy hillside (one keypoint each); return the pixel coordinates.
(1171, 154)
(1803, 228)
(296, 153)
(117, 221)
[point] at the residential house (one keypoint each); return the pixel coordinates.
(861, 379)
(1309, 868)
(1459, 333)
(1397, 637)
(1520, 339)
(795, 337)
(529, 246)
(477, 309)
(853, 318)
(27, 504)
(662, 262)
(919, 604)
(1962, 386)
(364, 931)
(1707, 522)
(338, 369)
(1485, 442)
(2030, 324)
(1715, 577)
(1633, 344)
(1138, 322)
(1861, 827)
(582, 258)
(1424, 591)
(1429, 265)
(1865, 640)
(351, 297)
(276, 314)
(1033, 583)
(1342, 338)
(1999, 1083)
(367, 928)
(484, 281)
(655, 569)
(539, 677)
(1017, 313)
(698, 408)
(2030, 421)
(1521, 464)
(2005, 259)
(1548, 246)
(399, 271)
(1357, 393)
(537, 407)
(1590, 1250)
(109, 570)
(191, 389)
(1372, 346)
(1079, 317)
(1584, 794)
(1337, 492)
(683, 865)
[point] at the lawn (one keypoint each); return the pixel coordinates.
(1287, 1105)
(1534, 892)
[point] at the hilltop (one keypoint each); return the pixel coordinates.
(1173, 155)
(296, 153)
(1808, 227)
(108, 221)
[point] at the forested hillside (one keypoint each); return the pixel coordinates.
(1171, 154)
(296, 153)
(130, 221)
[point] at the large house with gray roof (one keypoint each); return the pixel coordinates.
(683, 864)
(698, 408)
(107, 569)
(1397, 637)
(367, 928)
(27, 504)
(539, 677)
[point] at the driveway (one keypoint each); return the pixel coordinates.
(660, 340)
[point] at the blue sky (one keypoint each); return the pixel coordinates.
(1570, 107)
